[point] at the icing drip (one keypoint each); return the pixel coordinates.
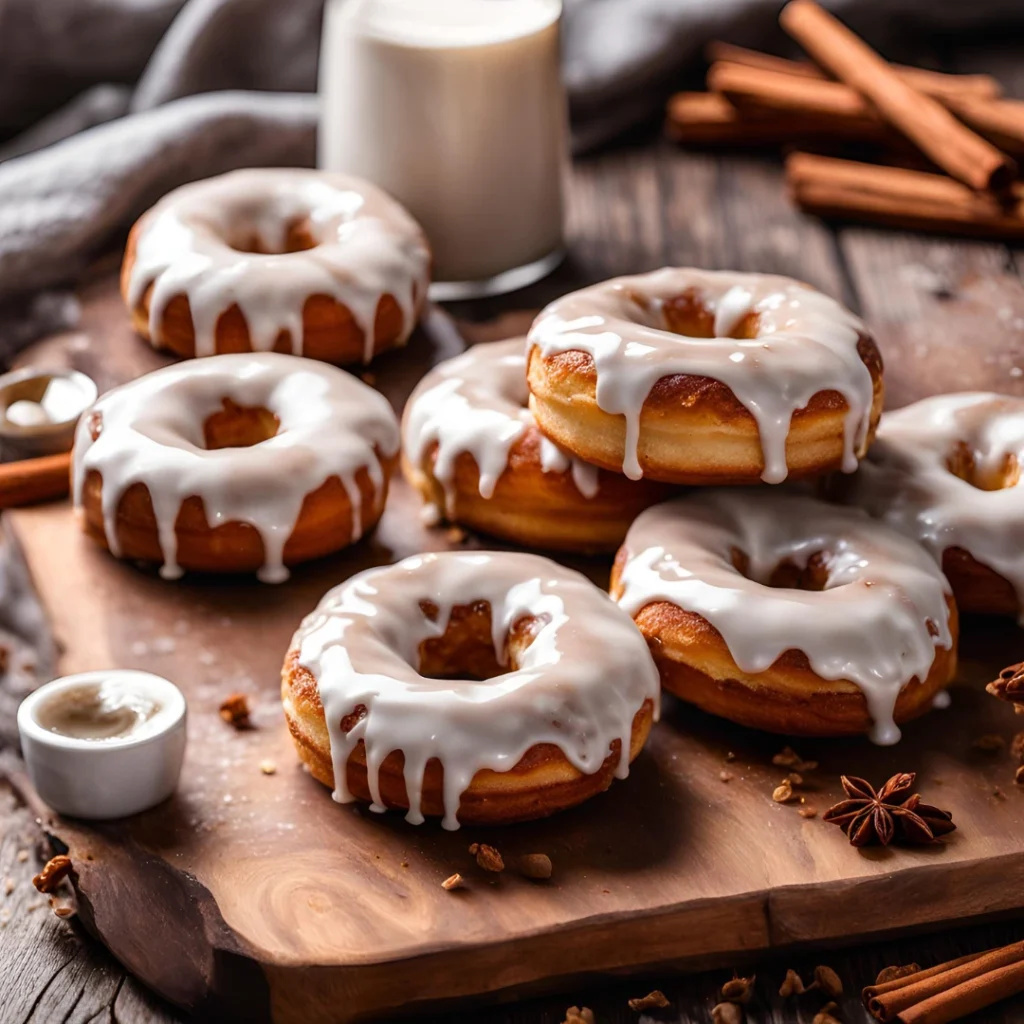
(805, 343)
(476, 403)
(330, 424)
(367, 246)
(577, 684)
(869, 625)
(906, 479)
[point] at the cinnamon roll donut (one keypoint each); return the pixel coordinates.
(238, 463)
(315, 264)
(784, 613)
(703, 377)
(473, 451)
(481, 687)
(946, 471)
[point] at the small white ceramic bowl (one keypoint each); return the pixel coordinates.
(110, 778)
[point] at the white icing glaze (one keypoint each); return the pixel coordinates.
(331, 424)
(906, 480)
(577, 685)
(869, 625)
(805, 343)
(476, 403)
(367, 247)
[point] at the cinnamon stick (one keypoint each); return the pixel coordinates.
(832, 187)
(31, 481)
(707, 117)
(933, 129)
(952, 989)
(869, 993)
(960, 1000)
(934, 83)
(759, 92)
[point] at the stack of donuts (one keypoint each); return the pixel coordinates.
(787, 557)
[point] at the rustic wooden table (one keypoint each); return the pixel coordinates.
(634, 208)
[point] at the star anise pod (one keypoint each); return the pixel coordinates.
(1010, 686)
(891, 814)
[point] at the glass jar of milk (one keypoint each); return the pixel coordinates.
(457, 108)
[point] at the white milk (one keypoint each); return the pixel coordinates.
(455, 107)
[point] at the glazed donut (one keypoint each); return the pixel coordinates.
(483, 687)
(238, 463)
(788, 614)
(946, 471)
(473, 451)
(704, 377)
(298, 261)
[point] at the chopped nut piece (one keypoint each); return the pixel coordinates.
(1018, 776)
(62, 910)
(726, 1013)
(268, 767)
(54, 872)
(487, 857)
(783, 793)
(738, 990)
(535, 865)
(234, 709)
(795, 779)
(652, 1001)
(452, 882)
(989, 743)
(1010, 686)
(726, 776)
(8, 886)
(824, 1015)
(730, 756)
(578, 1015)
(807, 812)
(828, 981)
(789, 758)
(887, 974)
(22, 856)
(792, 986)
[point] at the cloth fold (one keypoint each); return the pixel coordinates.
(106, 104)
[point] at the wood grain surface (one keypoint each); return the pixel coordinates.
(948, 315)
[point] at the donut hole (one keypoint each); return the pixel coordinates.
(787, 575)
(962, 463)
(689, 315)
(296, 236)
(466, 648)
(239, 426)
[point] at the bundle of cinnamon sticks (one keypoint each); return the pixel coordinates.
(950, 990)
(947, 142)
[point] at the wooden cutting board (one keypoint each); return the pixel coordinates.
(253, 896)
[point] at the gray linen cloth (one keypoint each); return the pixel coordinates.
(107, 104)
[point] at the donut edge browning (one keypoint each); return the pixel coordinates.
(323, 527)
(543, 783)
(534, 508)
(723, 444)
(788, 698)
(330, 332)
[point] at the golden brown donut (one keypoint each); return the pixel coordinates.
(699, 377)
(291, 261)
(475, 454)
(947, 472)
(238, 463)
(747, 621)
(556, 727)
